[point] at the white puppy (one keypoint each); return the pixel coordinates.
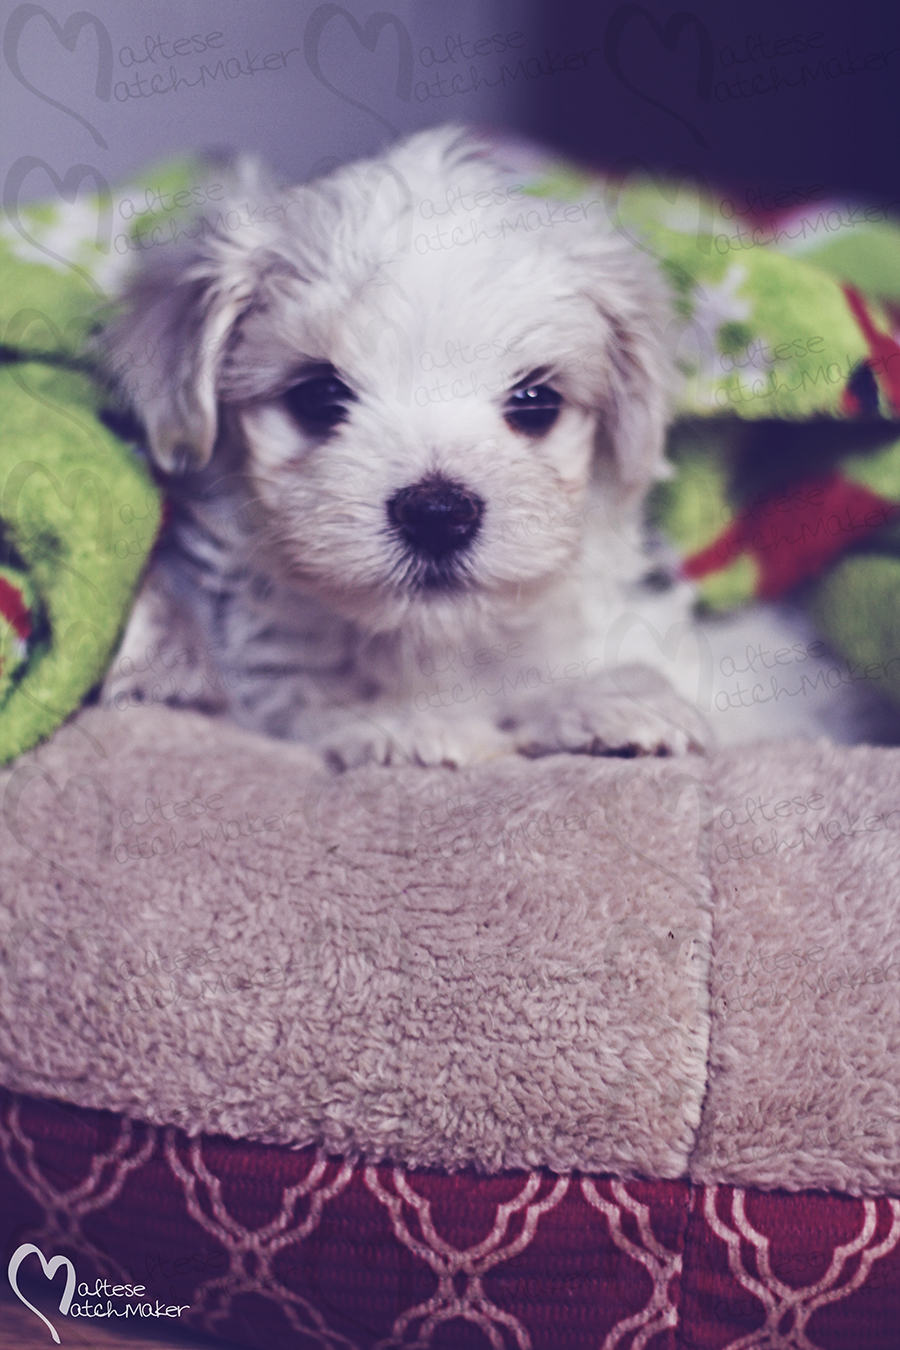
(408, 420)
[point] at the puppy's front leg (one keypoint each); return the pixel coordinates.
(628, 711)
(160, 659)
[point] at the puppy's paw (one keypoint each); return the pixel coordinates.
(628, 712)
(390, 738)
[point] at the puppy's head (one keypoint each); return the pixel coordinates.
(430, 382)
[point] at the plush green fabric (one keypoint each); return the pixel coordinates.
(857, 605)
(79, 511)
(78, 514)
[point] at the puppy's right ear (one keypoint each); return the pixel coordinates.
(166, 350)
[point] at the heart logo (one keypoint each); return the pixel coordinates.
(668, 186)
(67, 798)
(398, 349)
(386, 807)
(399, 201)
(15, 941)
(67, 188)
(669, 796)
(669, 646)
(693, 349)
(371, 182)
(55, 355)
(59, 346)
(68, 35)
(49, 1268)
(367, 35)
(668, 35)
(68, 493)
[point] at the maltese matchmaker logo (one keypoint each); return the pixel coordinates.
(96, 1302)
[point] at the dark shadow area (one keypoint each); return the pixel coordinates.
(767, 98)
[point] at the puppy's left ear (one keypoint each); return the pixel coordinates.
(640, 394)
(635, 391)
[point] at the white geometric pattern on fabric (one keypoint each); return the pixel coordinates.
(251, 1251)
(65, 1209)
(261, 1244)
(781, 1300)
(660, 1263)
(447, 1262)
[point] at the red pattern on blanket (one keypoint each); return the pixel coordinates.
(281, 1248)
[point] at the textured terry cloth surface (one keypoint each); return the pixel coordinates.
(504, 966)
(804, 1086)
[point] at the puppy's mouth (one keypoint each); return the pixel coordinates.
(437, 577)
(435, 521)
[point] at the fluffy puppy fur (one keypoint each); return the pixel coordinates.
(406, 436)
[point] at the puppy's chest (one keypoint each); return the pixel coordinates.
(268, 643)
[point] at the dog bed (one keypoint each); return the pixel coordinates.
(550, 1053)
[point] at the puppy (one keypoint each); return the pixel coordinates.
(407, 419)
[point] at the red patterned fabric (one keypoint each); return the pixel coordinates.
(14, 609)
(884, 351)
(795, 546)
(278, 1248)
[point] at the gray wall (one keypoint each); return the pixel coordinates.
(306, 84)
(333, 89)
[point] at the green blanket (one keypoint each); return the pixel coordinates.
(779, 327)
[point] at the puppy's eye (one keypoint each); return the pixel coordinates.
(320, 402)
(532, 410)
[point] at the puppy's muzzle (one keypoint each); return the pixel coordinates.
(435, 517)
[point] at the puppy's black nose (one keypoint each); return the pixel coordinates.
(435, 516)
